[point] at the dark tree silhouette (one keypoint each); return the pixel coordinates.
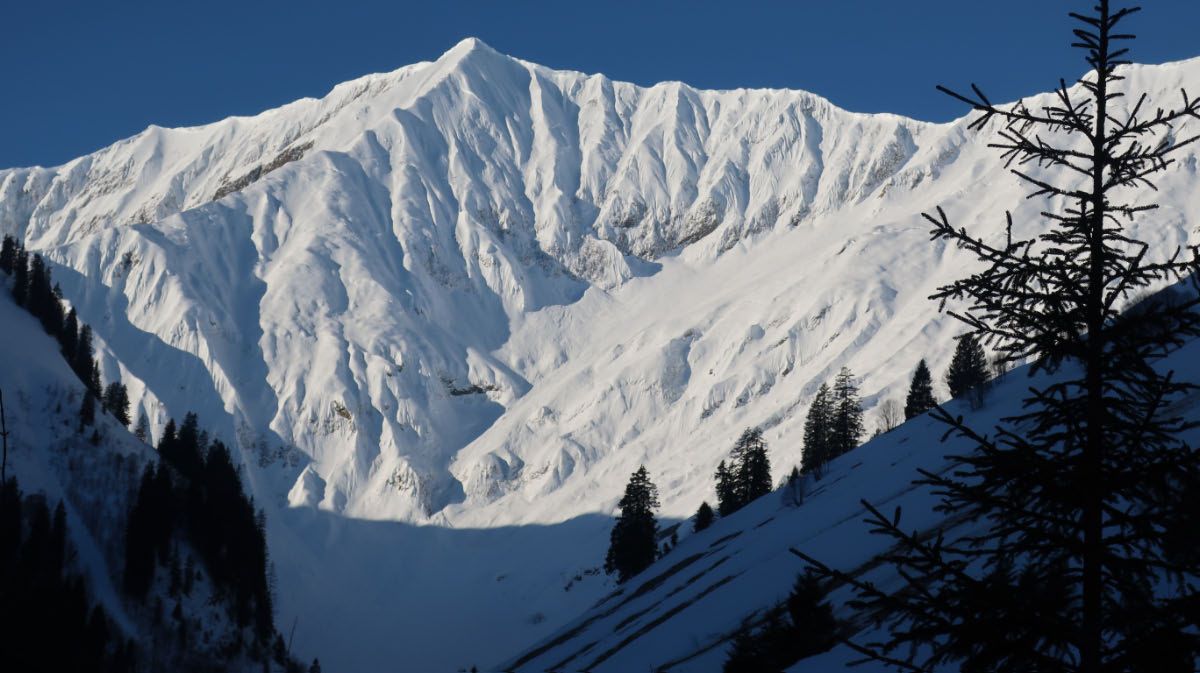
(818, 433)
(751, 466)
(920, 393)
(1063, 547)
(116, 402)
(748, 475)
(727, 495)
(811, 615)
(84, 363)
(703, 517)
(47, 617)
(846, 426)
(142, 431)
(20, 289)
(70, 336)
(968, 374)
(8, 254)
(87, 409)
(802, 626)
(634, 542)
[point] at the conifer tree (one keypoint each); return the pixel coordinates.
(84, 362)
(703, 517)
(116, 402)
(139, 538)
(8, 254)
(634, 542)
(793, 488)
(811, 615)
(69, 340)
(751, 466)
(1068, 551)
(87, 409)
(920, 393)
(818, 433)
(968, 373)
(20, 289)
(94, 381)
(727, 496)
(41, 301)
(142, 431)
(846, 428)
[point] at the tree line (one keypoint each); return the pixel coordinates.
(833, 427)
(192, 494)
(48, 619)
(33, 289)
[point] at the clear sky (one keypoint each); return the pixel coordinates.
(76, 75)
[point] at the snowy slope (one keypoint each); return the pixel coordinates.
(47, 455)
(445, 311)
(680, 614)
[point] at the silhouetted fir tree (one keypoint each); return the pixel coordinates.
(703, 517)
(140, 536)
(85, 353)
(751, 467)
(8, 254)
(315, 667)
(818, 433)
(816, 629)
(70, 336)
(968, 373)
(1063, 553)
(42, 301)
(846, 426)
(185, 453)
(20, 289)
(94, 381)
(920, 393)
(142, 430)
(793, 488)
(747, 654)
(777, 643)
(116, 402)
(633, 544)
(727, 496)
(87, 409)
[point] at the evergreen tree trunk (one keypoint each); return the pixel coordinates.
(1076, 501)
(1092, 480)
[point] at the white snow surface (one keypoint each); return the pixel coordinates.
(444, 312)
(680, 614)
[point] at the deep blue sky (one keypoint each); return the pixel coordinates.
(77, 75)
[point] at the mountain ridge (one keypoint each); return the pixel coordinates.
(490, 290)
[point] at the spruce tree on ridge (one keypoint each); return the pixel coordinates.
(633, 544)
(846, 428)
(968, 373)
(818, 433)
(920, 392)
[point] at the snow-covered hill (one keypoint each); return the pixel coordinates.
(445, 311)
(681, 614)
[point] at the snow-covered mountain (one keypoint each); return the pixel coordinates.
(445, 311)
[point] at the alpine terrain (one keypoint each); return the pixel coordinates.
(440, 315)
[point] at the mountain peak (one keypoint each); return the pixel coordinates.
(468, 46)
